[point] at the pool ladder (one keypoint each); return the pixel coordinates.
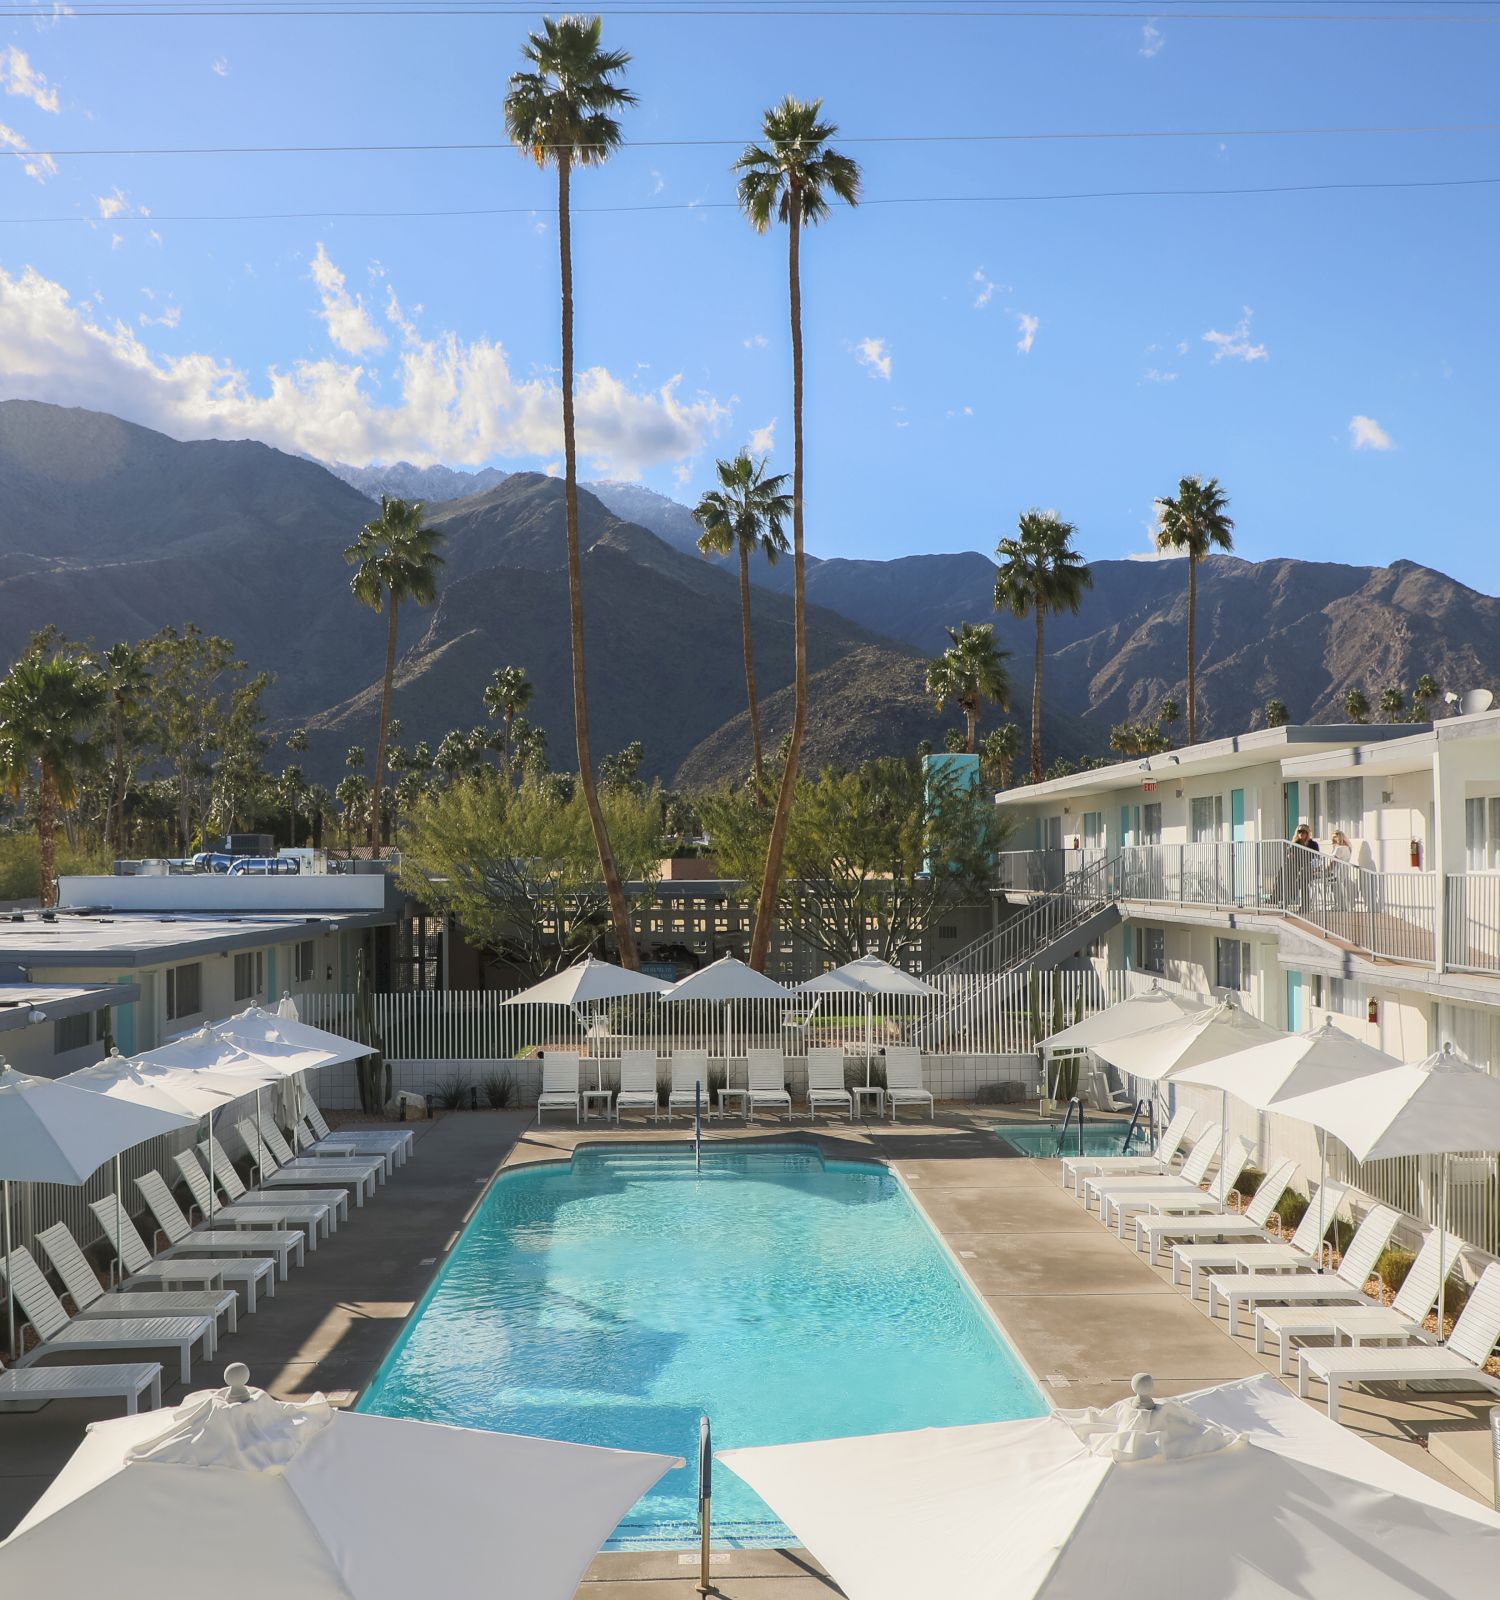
(705, 1583)
(1075, 1103)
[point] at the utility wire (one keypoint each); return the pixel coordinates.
(489, 8)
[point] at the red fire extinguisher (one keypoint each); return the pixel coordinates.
(1416, 852)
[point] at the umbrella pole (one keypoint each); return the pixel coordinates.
(10, 1288)
(1442, 1249)
(1322, 1185)
(869, 1037)
(1224, 1150)
(119, 1224)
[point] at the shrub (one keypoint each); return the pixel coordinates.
(451, 1093)
(499, 1090)
(1290, 1209)
(1006, 1093)
(1393, 1266)
(1249, 1181)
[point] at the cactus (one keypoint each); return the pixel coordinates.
(374, 1074)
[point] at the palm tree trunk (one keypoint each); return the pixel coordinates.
(760, 798)
(971, 717)
(765, 905)
(1192, 690)
(619, 912)
(377, 810)
(46, 831)
(1036, 698)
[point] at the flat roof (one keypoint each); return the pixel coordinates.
(144, 940)
(18, 1001)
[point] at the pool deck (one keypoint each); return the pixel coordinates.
(1082, 1309)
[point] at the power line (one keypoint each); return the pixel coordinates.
(1078, 136)
(730, 205)
(489, 8)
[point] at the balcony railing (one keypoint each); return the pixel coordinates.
(1473, 943)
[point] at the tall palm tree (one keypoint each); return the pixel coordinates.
(746, 513)
(1001, 747)
(1040, 571)
(559, 111)
(127, 681)
(1197, 522)
(791, 177)
(506, 696)
(969, 672)
(49, 713)
(397, 559)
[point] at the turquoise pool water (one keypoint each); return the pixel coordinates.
(615, 1300)
(1040, 1139)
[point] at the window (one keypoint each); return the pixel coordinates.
(249, 974)
(1151, 949)
(1231, 964)
(184, 991)
(1151, 823)
(1093, 830)
(1206, 818)
(303, 963)
(1342, 995)
(1340, 803)
(1482, 834)
(72, 1033)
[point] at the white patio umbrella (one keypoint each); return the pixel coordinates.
(588, 982)
(274, 1036)
(305, 1502)
(726, 980)
(868, 976)
(1439, 1107)
(1249, 1493)
(51, 1132)
(1298, 1063)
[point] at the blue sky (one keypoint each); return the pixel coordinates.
(1331, 356)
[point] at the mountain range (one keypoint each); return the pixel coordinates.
(113, 530)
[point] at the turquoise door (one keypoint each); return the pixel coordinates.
(1125, 837)
(124, 1023)
(1292, 797)
(1296, 1013)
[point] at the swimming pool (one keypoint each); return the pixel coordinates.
(1040, 1138)
(614, 1300)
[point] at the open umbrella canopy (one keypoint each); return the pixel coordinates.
(870, 975)
(1265, 1075)
(1251, 1494)
(587, 983)
(1438, 1106)
(1164, 1051)
(203, 1050)
(148, 1083)
(54, 1132)
(289, 1045)
(727, 979)
(1152, 1009)
(302, 1502)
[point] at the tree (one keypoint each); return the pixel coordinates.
(619, 773)
(1423, 694)
(506, 696)
(126, 676)
(239, 787)
(49, 712)
(1139, 738)
(1040, 571)
(354, 758)
(519, 868)
(560, 112)
(395, 558)
(954, 740)
(745, 514)
(969, 672)
(353, 795)
(460, 754)
(1392, 703)
(1169, 712)
(1277, 715)
(1196, 523)
(529, 744)
(297, 741)
(791, 177)
(290, 788)
(1357, 706)
(997, 755)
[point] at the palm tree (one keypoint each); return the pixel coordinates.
(791, 177)
(397, 559)
(1277, 715)
(289, 790)
(506, 696)
(1357, 706)
(127, 681)
(969, 672)
(1423, 694)
(353, 794)
(1040, 571)
(560, 111)
(999, 751)
(1392, 703)
(745, 514)
(1196, 523)
(49, 709)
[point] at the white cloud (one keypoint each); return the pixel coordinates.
(349, 324)
(1155, 375)
(1236, 345)
(658, 183)
(220, 66)
(1152, 39)
(1183, 347)
(1155, 552)
(763, 440)
(171, 317)
(447, 400)
(872, 353)
(1027, 325)
(1365, 433)
(116, 240)
(683, 472)
(756, 341)
(20, 78)
(984, 289)
(113, 205)
(35, 166)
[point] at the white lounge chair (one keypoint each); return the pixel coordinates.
(561, 1089)
(140, 1270)
(1158, 1160)
(689, 1069)
(1194, 1169)
(1370, 1322)
(766, 1080)
(903, 1080)
(825, 1082)
(1192, 1201)
(1253, 1287)
(378, 1166)
(125, 1380)
(1191, 1261)
(1151, 1232)
(183, 1239)
(639, 1090)
(91, 1299)
(279, 1186)
(273, 1174)
(61, 1335)
(1461, 1360)
(262, 1211)
(400, 1142)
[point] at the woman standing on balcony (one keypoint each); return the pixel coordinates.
(1340, 869)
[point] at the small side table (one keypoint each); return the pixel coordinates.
(868, 1091)
(588, 1098)
(741, 1095)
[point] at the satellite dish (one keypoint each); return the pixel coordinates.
(1475, 700)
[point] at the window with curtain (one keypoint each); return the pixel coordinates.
(1232, 964)
(1482, 833)
(1206, 818)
